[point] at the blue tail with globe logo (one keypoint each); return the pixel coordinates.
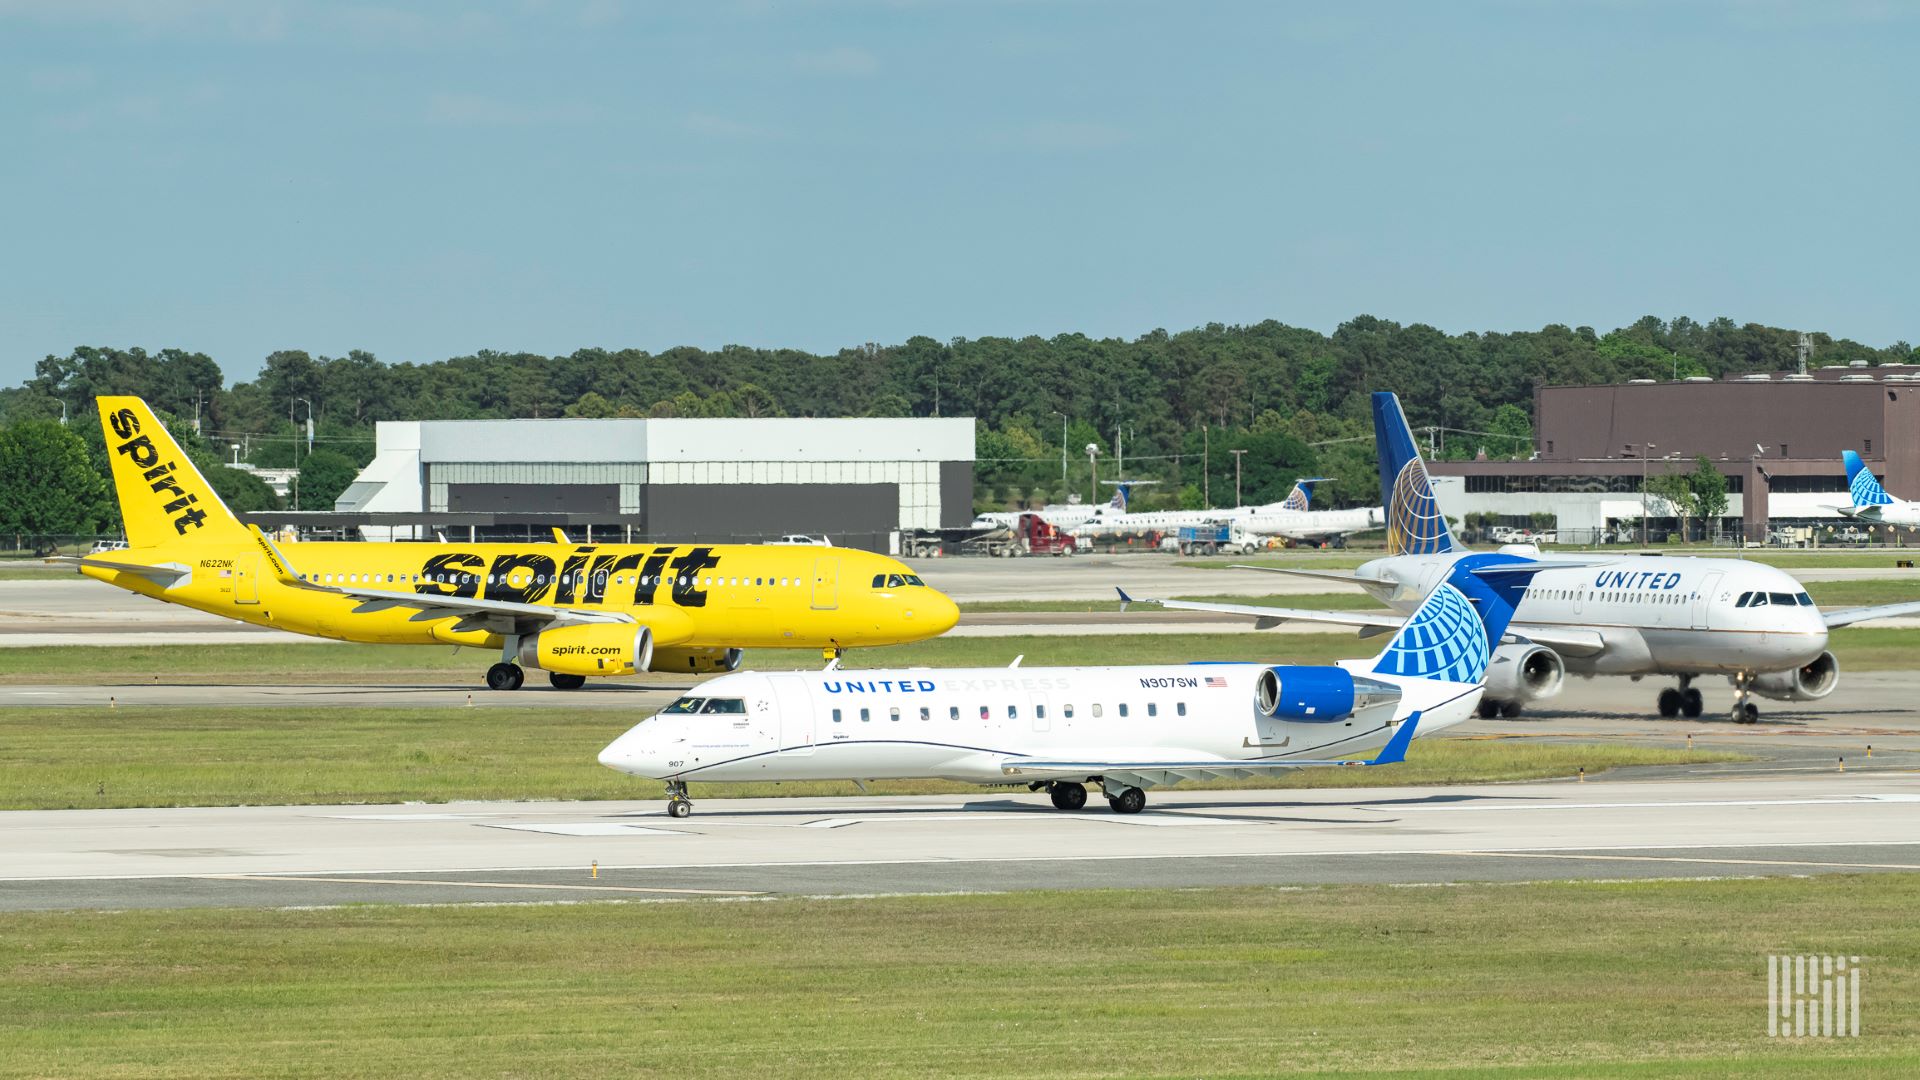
(1415, 525)
(1861, 486)
(1455, 630)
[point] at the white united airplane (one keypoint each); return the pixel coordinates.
(1291, 518)
(1058, 515)
(1870, 501)
(1124, 729)
(1637, 616)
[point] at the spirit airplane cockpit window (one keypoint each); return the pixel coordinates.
(896, 581)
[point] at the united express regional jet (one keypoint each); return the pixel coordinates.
(1871, 502)
(1123, 729)
(573, 611)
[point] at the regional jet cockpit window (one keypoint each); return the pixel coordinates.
(731, 706)
(685, 705)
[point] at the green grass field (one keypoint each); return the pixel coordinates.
(1332, 601)
(1864, 648)
(76, 758)
(1630, 979)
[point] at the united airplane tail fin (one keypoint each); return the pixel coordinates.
(1861, 486)
(1453, 633)
(1415, 525)
(1118, 504)
(162, 496)
(1301, 497)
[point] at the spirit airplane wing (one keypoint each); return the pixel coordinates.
(474, 613)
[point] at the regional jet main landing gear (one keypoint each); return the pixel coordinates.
(1124, 799)
(678, 805)
(1067, 796)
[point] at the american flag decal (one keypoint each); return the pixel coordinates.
(1217, 682)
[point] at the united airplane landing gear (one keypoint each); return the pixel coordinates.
(505, 677)
(563, 681)
(678, 805)
(1683, 701)
(1067, 796)
(1124, 799)
(1744, 711)
(1489, 709)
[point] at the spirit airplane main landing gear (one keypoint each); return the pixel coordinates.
(504, 676)
(678, 805)
(1684, 701)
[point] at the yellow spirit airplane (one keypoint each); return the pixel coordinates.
(572, 611)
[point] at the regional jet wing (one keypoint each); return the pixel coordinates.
(1146, 773)
(163, 574)
(1849, 616)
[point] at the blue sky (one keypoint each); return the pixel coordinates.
(239, 176)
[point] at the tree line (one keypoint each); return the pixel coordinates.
(1175, 404)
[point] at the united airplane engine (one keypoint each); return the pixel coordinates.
(1809, 682)
(1318, 694)
(590, 649)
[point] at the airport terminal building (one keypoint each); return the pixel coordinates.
(858, 482)
(1776, 438)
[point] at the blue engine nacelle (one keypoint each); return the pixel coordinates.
(1318, 694)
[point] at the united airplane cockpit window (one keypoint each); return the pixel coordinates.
(731, 706)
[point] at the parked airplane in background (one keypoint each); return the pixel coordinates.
(1654, 615)
(1124, 729)
(598, 609)
(1291, 519)
(1058, 515)
(1870, 501)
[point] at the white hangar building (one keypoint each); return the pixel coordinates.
(857, 481)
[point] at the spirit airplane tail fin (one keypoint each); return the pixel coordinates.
(162, 496)
(1415, 525)
(1862, 488)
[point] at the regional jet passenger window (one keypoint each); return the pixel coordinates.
(836, 716)
(1123, 708)
(1153, 709)
(1067, 711)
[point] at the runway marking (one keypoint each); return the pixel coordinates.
(585, 828)
(995, 859)
(1679, 859)
(1845, 800)
(477, 884)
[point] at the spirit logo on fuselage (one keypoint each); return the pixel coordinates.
(581, 578)
(145, 456)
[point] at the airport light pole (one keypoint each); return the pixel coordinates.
(1237, 455)
(1063, 452)
(1093, 474)
(1643, 492)
(296, 444)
